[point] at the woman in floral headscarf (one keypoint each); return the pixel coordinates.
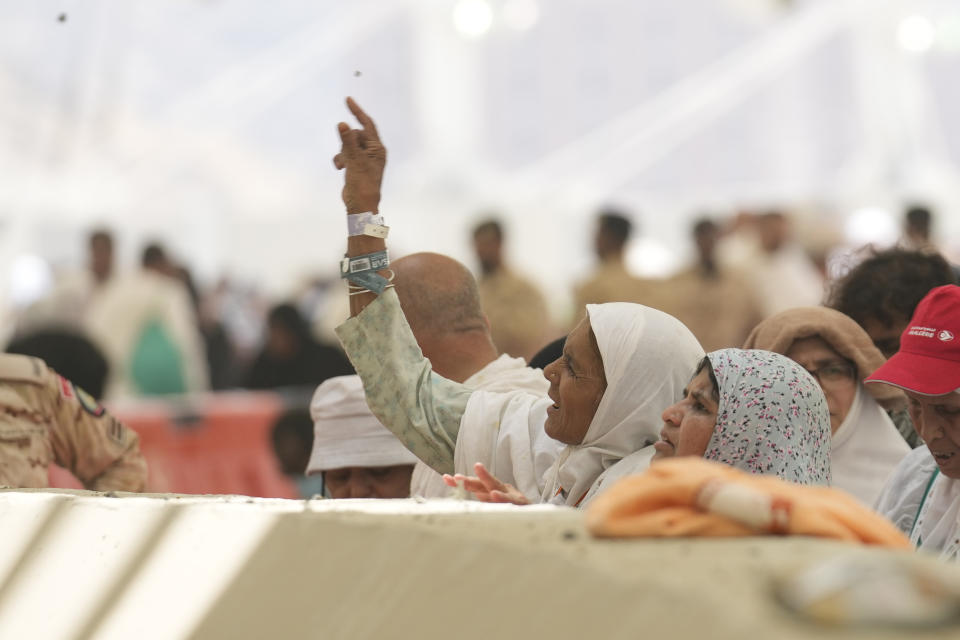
(754, 410)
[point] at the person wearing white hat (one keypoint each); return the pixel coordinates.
(441, 302)
(357, 456)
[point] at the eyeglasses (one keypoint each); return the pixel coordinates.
(833, 373)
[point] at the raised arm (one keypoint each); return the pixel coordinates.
(363, 157)
(421, 408)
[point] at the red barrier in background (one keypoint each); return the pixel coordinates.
(216, 443)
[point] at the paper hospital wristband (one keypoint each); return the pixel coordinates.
(366, 224)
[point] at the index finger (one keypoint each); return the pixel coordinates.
(363, 118)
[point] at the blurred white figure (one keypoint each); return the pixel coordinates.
(71, 295)
(781, 273)
(145, 324)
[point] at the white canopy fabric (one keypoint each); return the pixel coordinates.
(211, 124)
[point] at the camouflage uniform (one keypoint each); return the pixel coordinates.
(45, 418)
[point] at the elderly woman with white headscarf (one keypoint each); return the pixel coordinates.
(643, 355)
(620, 366)
(840, 355)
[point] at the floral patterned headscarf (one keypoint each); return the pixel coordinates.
(772, 417)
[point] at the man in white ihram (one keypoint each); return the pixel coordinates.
(442, 305)
(440, 300)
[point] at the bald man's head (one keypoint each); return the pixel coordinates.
(438, 295)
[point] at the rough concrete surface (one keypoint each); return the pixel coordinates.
(234, 567)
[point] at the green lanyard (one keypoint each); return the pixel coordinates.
(923, 500)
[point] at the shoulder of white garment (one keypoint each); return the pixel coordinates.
(636, 462)
(507, 374)
(901, 497)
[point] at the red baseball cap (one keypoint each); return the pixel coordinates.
(928, 361)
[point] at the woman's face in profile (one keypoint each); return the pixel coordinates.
(577, 383)
(689, 424)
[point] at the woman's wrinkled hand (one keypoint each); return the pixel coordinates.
(485, 487)
(364, 157)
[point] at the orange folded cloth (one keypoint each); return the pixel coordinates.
(692, 497)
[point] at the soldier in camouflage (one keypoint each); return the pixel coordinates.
(45, 418)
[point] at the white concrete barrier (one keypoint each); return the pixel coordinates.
(85, 565)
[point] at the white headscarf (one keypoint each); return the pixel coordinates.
(866, 448)
(648, 358)
(505, 374)
(346, 433)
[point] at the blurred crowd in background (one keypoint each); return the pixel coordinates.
(152, 332)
